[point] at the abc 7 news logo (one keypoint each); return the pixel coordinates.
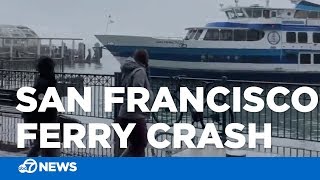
(29, 166)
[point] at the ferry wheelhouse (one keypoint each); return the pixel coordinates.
(256, 43)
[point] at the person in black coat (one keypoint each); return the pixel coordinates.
(135, 74)
(46, 79)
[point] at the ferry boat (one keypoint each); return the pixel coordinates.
(254, 43)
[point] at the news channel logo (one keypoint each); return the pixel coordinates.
(31, 166)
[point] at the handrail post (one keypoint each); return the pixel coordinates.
(62, 56)
(2, 75)
(117, 83)
(11, 49)
(38, 48)
(224, 80)
(50, 47)
(72, 51)
(117, 150)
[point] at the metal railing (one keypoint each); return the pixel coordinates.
(13, 79)
(8, 125)
(291, 124)
(8, 137)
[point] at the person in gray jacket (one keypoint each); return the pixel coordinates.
(135, 74)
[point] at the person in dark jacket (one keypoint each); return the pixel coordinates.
(46, 79)
(135, 74)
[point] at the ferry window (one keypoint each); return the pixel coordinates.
(198, 34)
(303, 37)
(305, 58)
(316, 58)
(192, 33)
(316, 37)
(273, 14)
(254, 35)
(266, 14)
(291, 37)
(313, 15)
(188, 35)
(256, 13)
(301, 14)
(240, 35)
(240, 13)
(212, 34)
(231, 14)
(226, 35)
(249, 12)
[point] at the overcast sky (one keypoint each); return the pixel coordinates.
(85, 18)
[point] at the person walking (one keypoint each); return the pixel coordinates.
(135, 74)
(46, 79)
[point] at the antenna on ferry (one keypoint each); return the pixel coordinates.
(267, 3)
(109, 21)
(237, 2)
(221, 5)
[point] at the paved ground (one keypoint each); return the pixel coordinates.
(9, 154)
(211, 151)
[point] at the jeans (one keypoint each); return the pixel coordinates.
(138, 138)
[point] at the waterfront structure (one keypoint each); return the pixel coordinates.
(20, 46)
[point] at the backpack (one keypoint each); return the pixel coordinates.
(127, 81)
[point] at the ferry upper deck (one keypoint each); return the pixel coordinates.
(303, 10)
(305, 16)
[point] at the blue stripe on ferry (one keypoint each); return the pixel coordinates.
(265, 26)
(266, 56)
